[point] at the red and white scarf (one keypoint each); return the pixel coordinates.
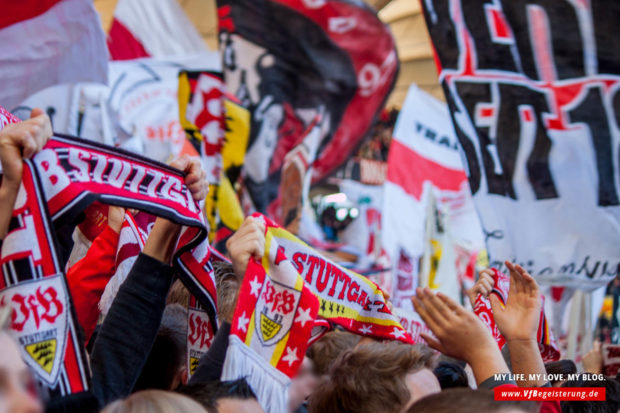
(57, 184)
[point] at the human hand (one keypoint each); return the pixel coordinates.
(459, 333)
(519, 318)
(19, 141)
(195, 176)
(248, 241)
(116, 215)
(593, 360)
(484, 285)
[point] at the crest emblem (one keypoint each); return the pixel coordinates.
(277, 305)
(39, 323)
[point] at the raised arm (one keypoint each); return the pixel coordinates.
(518, 322)
(130, 327)
(459, 334)
(19, 141)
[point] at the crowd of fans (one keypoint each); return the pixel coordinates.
(137, 352)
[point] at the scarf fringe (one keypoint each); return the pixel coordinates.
(269, 384)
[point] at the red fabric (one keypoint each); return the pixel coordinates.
(16, 11)
(550, 407)
(88, 277)
(122, 44)
(410, 170)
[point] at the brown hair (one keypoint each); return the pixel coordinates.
(462, 400)
(227, 284)
(371, 378)
(155, 401)
(325, 351)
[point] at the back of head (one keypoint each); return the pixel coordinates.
(155, 401)
(450, 375)
(563, 367)
(612, 397)
(208, 394)
(325, 351)
(371, 378)
(227, 284)
(166, 362)
(461, 400)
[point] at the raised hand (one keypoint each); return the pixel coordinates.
(248, 241)
(19, 141)
(459, 334)
(519, 318)
(518, 322)
(483, 286)
(195, 176)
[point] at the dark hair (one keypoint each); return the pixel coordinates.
(167, 356)
(563, 367)
(451, 375)
(207, 394)
(610, 405)
(460, 400)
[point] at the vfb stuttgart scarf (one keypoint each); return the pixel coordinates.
(347, 299)
(279, 303)
(271, 328)
(58, 183)
(546, 342)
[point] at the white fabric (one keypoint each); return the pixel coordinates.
(161, 26)
(64, 44)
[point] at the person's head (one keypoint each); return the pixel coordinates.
(178, 294)
(563, 367)
(17, 388)
(612, 397)
(224, 396)
(155, 401)
(461, 400)
(165, 367)
(376, 377)
(329, 348)
(227, 284)
(451, 374)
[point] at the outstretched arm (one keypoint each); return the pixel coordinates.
(518, 322)
(459, 334)
(19, 141)
(130, 327)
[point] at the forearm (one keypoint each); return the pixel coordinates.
(129, 330)
(487, 363)
(162, 240)
(526, 360)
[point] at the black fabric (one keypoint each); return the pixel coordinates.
(83, 402)
(211, 364)
(129, 330)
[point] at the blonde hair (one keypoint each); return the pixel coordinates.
(155, 401)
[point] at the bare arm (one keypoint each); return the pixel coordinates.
(19, 141)
(518, 322)
(459, 334)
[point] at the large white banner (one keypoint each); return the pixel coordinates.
(534, 92)
(424, 162)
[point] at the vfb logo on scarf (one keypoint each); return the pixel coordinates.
(39, 323)
(277, 305)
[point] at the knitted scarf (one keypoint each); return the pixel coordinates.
(58, 184)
